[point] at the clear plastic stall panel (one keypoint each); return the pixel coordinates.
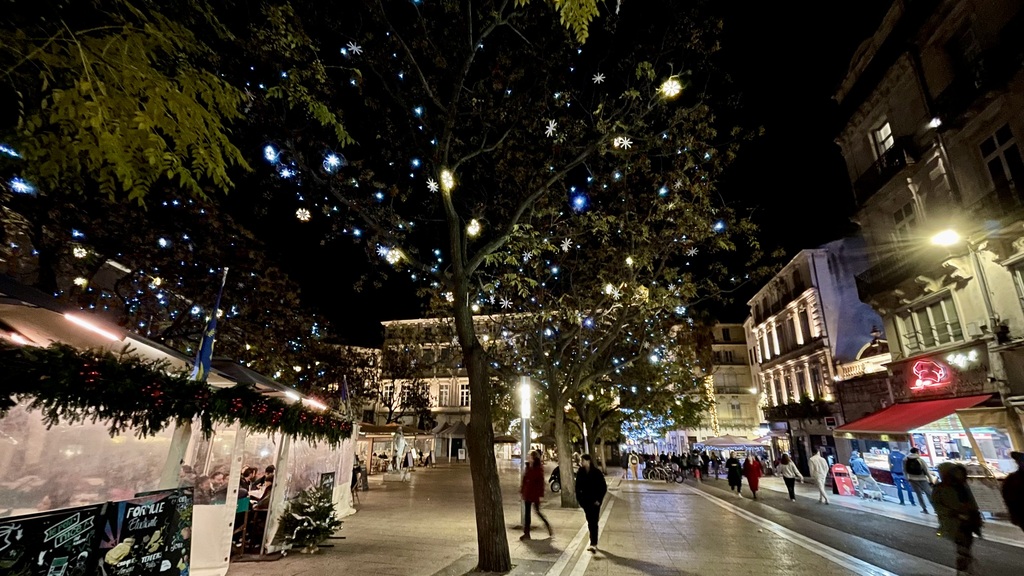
(73, 464)
(308, 462)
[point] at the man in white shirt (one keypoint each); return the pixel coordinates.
(819, 471)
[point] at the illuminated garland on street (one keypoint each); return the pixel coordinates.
(128, 393)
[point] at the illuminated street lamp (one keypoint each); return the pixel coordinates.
(950, 237)
(946, 238)
(525, 392)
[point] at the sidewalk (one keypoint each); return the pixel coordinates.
(995, 530)
(426, 527)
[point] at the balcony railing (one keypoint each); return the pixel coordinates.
(901, 265)
(1004, 204)
(989, 72)
(888, 165)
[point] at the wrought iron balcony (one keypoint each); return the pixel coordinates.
(901, 265)
(888, 165)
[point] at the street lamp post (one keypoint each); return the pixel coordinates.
(525, 392)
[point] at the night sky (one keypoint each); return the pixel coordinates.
(786, 60)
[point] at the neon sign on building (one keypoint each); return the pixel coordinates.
(931, 374)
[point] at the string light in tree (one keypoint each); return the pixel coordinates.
(566, 245)
(551, 129)
(79, 252)
(81, 282)
(303, 215)
(719, 226)
(506, 303)
(622, 142)
(598, 78)
(671, 88)
(354, 48)
(20, 186)
(432, 185)
(447, 180)
(473, 229)
(332, 162)
(271, 154)
(691, 252)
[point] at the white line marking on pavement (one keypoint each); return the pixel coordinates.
(856, 565)
(570, 550)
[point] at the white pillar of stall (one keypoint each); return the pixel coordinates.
(278, 500)
(169, 478)
(342, 488)
(213, 525)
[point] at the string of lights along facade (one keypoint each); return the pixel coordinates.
(736, 410)
(802, 322)
(933, 107)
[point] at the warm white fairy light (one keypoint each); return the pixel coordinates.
(447, 180)
(303, 215)
(474, 228)
(79, 252)
(672, 87)
(81, 282)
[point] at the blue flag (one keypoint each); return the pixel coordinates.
(205, 354)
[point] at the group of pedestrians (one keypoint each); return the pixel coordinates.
(735, 471)
(590, 492)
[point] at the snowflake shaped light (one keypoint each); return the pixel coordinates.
(598, 78)
(622, 142)
(566, 245)
(691, 252)
(506, 303)
(79, 252)
(383, 251)
(616, 293)
(677, 185)
(432, 185)
(354, 48)
(551, 128)
(527, 256)
(303, 215)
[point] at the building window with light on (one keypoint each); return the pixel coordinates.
(930, 325)
(464, 394)
(388, 393)
(1002, 156)
(904, 221)
(883, 139)
(816, 380)
(444, 394)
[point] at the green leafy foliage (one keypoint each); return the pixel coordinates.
(117, 101)
(127, 393)
(309, 519)
(576, 15)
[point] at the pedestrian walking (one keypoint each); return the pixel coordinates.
(695, 465)
(790, 473)
(819, 473)
(863, 473)
(634, 465)
(1013, 491)
(590, 491)
(624, 462)
(532, 490)
(752, 471)
(734, 474)
(920, 478)
(899, 479)
(959, 516)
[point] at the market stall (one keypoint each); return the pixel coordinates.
(949, 429)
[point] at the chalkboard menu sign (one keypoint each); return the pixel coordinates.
(327, 480)
(50, 544)
(148, 535)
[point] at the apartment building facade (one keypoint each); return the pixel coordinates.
(933, 113)
(803, 322)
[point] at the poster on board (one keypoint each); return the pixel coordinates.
(148, 535)
(61, 543)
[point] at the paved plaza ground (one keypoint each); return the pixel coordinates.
(425, 527)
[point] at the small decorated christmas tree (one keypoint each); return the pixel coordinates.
(309, 520)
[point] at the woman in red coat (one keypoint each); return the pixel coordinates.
(532, 490)
(752, 471)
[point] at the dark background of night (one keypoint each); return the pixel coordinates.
(786, 59)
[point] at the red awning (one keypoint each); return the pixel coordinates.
(902, 418)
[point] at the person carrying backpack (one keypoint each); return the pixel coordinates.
(919, 477)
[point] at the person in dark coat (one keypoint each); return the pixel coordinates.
(532, 490)
(959, 516)
(590, 491)
(734, 473)
(1013, 491)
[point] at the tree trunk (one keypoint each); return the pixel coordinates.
(568, 492)
(492, 540)
(599, 444)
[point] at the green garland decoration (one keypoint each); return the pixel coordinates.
(127, 392)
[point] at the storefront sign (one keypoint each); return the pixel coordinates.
(148, 535)
(957, 373)
(51, 544)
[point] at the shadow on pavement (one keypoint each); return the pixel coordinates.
(642, 566)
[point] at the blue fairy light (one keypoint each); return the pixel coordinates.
(719, 226)
(163, 242)
(357, 232)
(418, 111)
(332, 162)
(681, 310)
(588, 322)
(663, 191)
(77, 234)
(379, 196)
(271, 154)
(415, 162)
(20, 186)
(286, 172)
(579, 202)
(8, 151)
